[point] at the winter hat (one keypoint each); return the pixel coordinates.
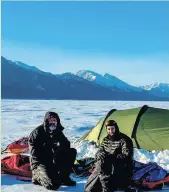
(111, 123)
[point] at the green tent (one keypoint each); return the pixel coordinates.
(148, 127)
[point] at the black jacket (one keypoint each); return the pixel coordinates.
(116, 150)
(45, 147)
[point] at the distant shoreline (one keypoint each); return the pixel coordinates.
(52, 99)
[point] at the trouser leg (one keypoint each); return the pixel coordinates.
(46, 177)
(107, 183)
(66, 162)
(106, 171)
(93, 183)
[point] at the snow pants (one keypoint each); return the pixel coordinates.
(107, 177)
(99, 181)
(51, 176)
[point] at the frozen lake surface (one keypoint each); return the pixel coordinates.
(20, 117)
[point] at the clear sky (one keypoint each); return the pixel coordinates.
(129, 40)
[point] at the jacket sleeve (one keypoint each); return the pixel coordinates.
(127, 150)
(34, 148)
(64, 142)
(101, 153)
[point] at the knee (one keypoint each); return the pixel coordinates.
(98, 164)
(98, 167)
(73, 151)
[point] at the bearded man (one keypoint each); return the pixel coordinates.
(51, 157)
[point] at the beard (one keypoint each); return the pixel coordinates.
(52, 127)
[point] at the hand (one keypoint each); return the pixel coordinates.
(120, 156)
(101, 157)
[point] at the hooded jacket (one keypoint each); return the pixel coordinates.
(119, 148)
(44, 147)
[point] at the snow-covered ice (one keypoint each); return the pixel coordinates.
(20, 117)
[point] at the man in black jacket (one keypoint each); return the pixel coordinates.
(51, 157)
(113, 162)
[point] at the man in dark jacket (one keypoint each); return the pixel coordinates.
(51, 157)
(113, 162)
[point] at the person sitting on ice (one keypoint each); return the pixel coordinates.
(113, 167)
(51, 157)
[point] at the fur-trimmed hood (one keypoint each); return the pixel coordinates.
(48, 115)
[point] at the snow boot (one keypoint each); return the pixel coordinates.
(35, 182)
(131, 189)
(68, 182)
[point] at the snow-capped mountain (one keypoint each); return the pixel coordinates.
(34, 85)
(107, 80)
(87, 85)
(158, 89)
(70, 76)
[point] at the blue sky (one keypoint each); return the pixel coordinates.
(127, 39)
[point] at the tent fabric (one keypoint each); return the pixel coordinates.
(91, 135)
(148, 127)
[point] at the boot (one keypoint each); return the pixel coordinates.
(34, 181)
(68, 182)
(131, 189)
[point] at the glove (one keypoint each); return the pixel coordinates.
(100, 157)
(121, 156)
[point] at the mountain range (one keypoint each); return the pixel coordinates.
(21, 81)
(112, 82)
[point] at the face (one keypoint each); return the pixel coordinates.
(111, 130)
(52, 121)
